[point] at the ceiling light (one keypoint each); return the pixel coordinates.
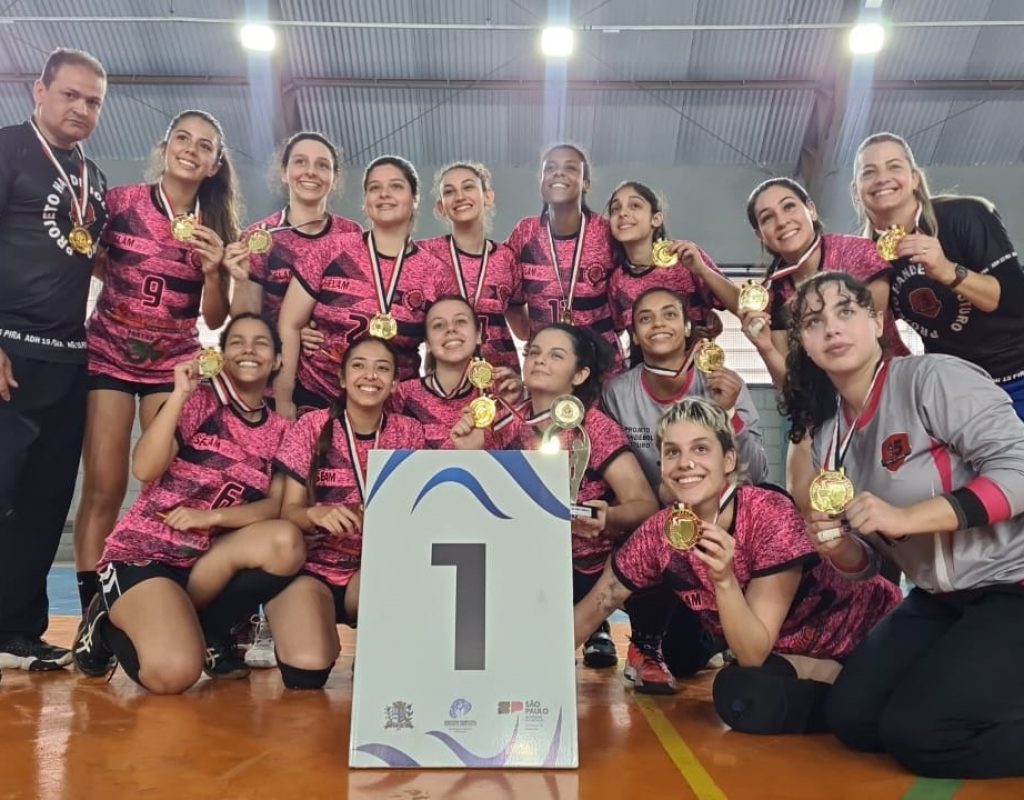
(557, 42)
(257, 36)
(866, 38)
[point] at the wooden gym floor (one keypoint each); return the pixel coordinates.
(64, 737)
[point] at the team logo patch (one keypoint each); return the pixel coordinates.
(414, 300)
(895, 450)
(595, 275)
(924, 302)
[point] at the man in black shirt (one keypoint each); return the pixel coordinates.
(51, 215)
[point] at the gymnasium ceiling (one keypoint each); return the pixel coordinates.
(658, 82)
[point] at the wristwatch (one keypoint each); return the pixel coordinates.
(960, 272)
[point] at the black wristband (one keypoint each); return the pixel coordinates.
(970, 511)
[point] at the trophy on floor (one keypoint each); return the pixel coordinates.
(567, 412)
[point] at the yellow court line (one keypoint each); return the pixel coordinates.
(682, 756)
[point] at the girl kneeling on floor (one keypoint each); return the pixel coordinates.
(740, 557)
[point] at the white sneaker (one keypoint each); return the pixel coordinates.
(260, 654)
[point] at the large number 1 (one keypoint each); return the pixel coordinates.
(470, 562)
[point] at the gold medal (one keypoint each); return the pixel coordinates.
(567, 411)
(682, 528)
(831, 491)
(481, 374)
(886, 244)
(80, 240)
(753, 297)
(709, 357)
(566, 318)
(259, 242)
(662, 255)
(383, 326)
(484, 410)
(210, 363)
(183, 227)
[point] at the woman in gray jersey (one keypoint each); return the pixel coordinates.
(934, 454)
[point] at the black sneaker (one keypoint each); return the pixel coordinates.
(599, 649)
(223, 661)
(92, 657)
(33, 654)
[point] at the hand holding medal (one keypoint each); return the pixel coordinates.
(483, 408)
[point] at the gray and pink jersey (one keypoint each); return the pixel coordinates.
(338, 274)
(501, 279)
(418, 399)
(630, 401)
(936, 425)
(544, 290)
(273, 270)
(607, 443)
(829, 616)
(336, 558)
(145, 317)
(223, 460)
(840, 252)
(626, 283)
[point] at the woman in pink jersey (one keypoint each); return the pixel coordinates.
(155, 285)
(746, 567)
(637, 220)
(786, 222)
(486, 272)
(379, 282)
(564, 256)
(563, 360)
(311, 170)
(199, 536)
(438, 398)
(323, 461)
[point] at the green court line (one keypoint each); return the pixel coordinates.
(932, 789)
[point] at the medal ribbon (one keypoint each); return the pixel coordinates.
(169, 209)
(78, 205)
(577, 257)
(836, 449)
(283, 225)
(461, 278)
(384, 300)
(435, 385)
(675, 373)
(725, 499)
(353, 452)
(785, 272)
(228, 394)
(515, 414)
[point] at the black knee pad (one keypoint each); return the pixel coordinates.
(295, 678)
(769, 699)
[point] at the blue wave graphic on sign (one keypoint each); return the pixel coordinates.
(463, 478)
(512, 461)
(516, 465)
(393, 757)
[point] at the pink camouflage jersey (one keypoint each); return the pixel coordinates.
(840, 253)
(500, 281)
(273, 270)
(627, 283)
(145, 317)
(336, 559)
(539, 287)
(830, 615)
(338, 275)
(607, 441)
(223, 460)
(417, 398)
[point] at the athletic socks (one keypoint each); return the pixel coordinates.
(88, 587)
